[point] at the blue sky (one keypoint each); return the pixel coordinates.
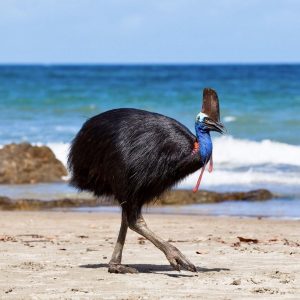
(149, 31)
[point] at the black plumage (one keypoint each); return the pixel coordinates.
(132, 154)
(135, 156)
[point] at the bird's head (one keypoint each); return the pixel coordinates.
(209, 117)
(205, 123)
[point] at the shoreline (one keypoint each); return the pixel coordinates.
(59, 255)
(159, 210)
(257, 204)
(164, 210)
(171, 197)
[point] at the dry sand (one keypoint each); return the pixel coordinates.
(57, 255)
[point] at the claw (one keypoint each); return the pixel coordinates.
(121, 269)
(174, 263)
(189, 266)
(178, 260)
(192, 268)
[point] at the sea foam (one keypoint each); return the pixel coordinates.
(239, 162)
(231, 152)
(229, 119)
(60, 150)
(228, 150)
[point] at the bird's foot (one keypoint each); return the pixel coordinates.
(179, 261)
(121, 269)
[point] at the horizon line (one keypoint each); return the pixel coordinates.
(143, 63)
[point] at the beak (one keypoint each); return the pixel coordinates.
(214, 126)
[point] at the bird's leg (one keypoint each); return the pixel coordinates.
(174, 256)
(115, 265)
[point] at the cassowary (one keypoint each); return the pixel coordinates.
(135, 156)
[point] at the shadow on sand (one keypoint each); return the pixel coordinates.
(149, 268)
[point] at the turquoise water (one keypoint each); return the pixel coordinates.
(49, 103)
(260, 106)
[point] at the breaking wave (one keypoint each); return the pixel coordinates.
(240, 164)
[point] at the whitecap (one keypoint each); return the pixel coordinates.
(247, 178)
(239, 162)
(248, 163)
(66, 129)
(60, 150)
(229, 119)
(231, 151)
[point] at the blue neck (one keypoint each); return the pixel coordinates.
(205, 143)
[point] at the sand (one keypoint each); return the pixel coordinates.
(64, 255)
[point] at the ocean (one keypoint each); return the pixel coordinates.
(260, 107)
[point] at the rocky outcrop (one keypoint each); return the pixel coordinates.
(34, 204)
(181, 197)
(24, 163)
(176, 197)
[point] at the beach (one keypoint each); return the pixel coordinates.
(64, 255)
(253, 252)
(183, 112)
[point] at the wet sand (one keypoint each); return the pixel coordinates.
(64, 255)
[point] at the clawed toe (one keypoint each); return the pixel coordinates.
(121, 269)
(178, 261)
(179, 264)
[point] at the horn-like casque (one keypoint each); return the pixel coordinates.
(210, 105)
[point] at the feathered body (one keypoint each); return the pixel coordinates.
(135, 156)
(132, 154)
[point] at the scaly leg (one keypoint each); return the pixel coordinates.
(174, 256)
(115, 265)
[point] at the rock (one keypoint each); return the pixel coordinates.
(33, 204)
(5, 202)
(181, 197)
(176, 197)
(260, 194)
(24, 163)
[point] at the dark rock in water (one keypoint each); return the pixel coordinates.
(5, 202)
(180, 197)
(257, 195)
(24, 163)
(33, 204)
(176, 197)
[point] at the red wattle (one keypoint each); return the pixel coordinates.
(211, 164)
(196, 188)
